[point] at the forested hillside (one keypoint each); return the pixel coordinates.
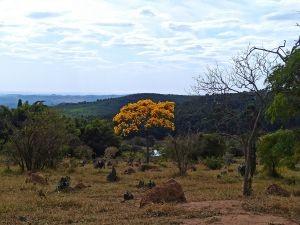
(107, 108)
(195, 113)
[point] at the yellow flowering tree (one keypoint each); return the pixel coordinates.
(143, 115)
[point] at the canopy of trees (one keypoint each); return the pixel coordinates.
(98, 135)
(285, 85)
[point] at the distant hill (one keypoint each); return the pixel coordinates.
(195, 113)
(11, 100)
(107, 108)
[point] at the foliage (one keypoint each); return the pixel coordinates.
(213, 163)
(207, 145)
(38, 137)
(285, 85)
(83, 152)
(179, 149)
(192, 113)
(5, 125)
(144, 115)
(280, 148)
(98, 135)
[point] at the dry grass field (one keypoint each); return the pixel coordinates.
(101, 203)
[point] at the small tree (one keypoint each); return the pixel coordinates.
(38, 140)
(98, 135)
(278, 149)
(179, 149)
(142, 116)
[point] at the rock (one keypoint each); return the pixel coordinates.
(112, 176)
(170, 191)
(64, 184)
(128, 196)
(99, 164)
(241, 169)
(36, 178)
(275, 189)
(129, 171)
(23, 218)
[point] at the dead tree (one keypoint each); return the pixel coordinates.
(281, 51)
(247, 72)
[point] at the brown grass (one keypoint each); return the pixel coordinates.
(101, 203)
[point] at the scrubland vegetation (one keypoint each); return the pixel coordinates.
(57, 169)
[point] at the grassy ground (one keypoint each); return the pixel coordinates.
(101, 203)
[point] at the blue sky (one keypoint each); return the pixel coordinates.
(130, 46)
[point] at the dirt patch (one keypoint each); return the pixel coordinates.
(229, 212)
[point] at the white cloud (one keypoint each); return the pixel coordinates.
(104, 33)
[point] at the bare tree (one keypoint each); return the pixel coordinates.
(280, 51)
(247, 72)
(179, 149)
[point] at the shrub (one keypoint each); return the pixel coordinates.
(111, 152)
(38, 139)
(83, 152)
(277, 149)
(208, 145)
(213, 163)
(179, 149)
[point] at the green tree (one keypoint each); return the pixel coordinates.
(98, 135)
(278, 149)
(285, 85)
(20, 103)
(211, 145)
(5, 125)
(38, 137)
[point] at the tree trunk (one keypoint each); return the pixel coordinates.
(147, 146)
(249, 171)
(250, 158)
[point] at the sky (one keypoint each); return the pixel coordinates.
(130, 46)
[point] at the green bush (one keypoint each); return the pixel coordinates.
(213, 163)
(277, 149)
(208, 145)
